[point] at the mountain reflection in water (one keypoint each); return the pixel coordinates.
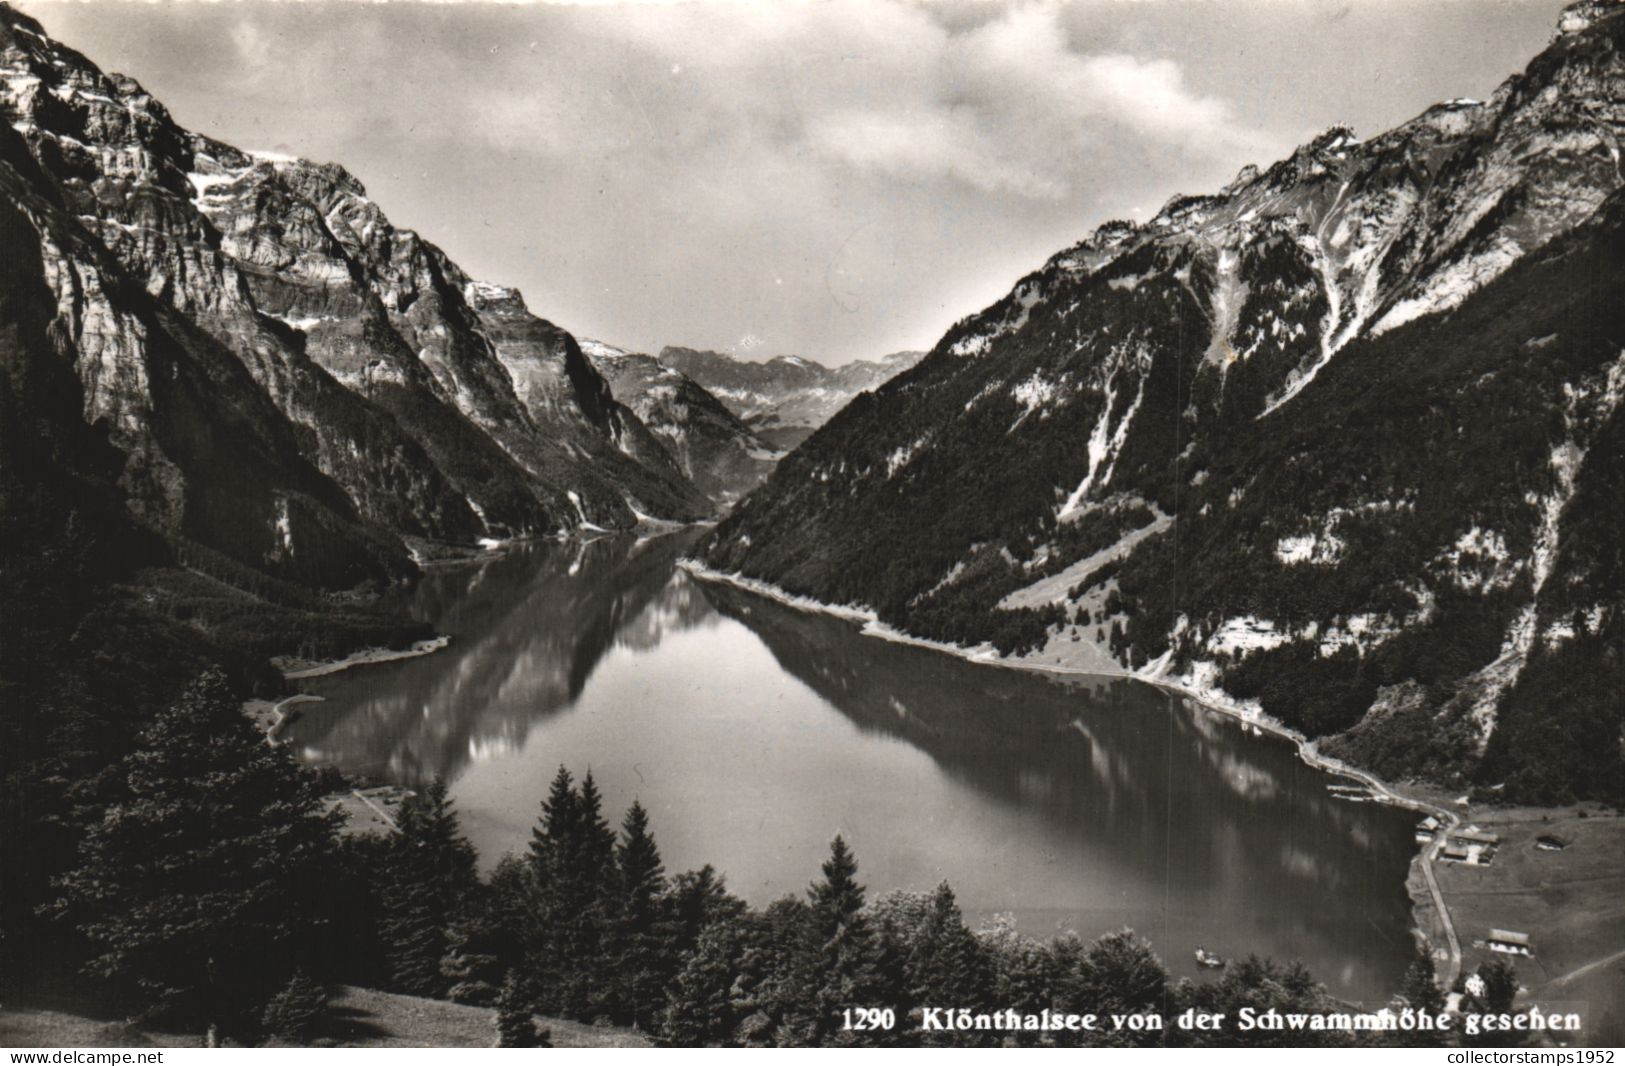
(753, 732)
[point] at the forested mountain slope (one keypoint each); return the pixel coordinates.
(1343, 438)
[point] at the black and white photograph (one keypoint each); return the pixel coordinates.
(646, 524)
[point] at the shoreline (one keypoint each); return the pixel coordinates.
(984, 655)
(1381, 791)
(298, 669)
(273, 715)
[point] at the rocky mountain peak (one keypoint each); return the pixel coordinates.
(1579, 17)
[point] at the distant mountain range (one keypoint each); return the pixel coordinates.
(723, 456)
(1341, 441)
(785, 398)
(728, 421)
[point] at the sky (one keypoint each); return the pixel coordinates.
(835, 179)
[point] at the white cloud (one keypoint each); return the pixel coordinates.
(878, 87)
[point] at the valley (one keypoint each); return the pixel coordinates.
(1230, 612)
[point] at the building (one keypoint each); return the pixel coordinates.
(1509, 943)
(1480, 847)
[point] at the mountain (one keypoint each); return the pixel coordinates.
(722, 456)
(292, 380)
(785, 398)
(1340, 442)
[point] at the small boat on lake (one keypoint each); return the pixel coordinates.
(1206, 958)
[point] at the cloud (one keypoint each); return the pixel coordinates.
(880, 87)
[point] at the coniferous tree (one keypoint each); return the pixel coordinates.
(897, 919)
(557, 826)
(430, 875)
(472, 965)
(1118, 973)
(643, 933)
(1500, 979)
(592, 921)
(516, 1025)
(1494, 992)
(779, 977)
(512, 910)
(573, 859)
(695, 899)
(946, 966)
(552, 845)
(702, 1009)
(296, 1013)
(1022, 976)
(200, 889)
(844, 948)
(1421, 984)
(1420, 992)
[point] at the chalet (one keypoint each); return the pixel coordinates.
(1480, 847)
(1509, 943)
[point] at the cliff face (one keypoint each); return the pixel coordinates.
(234, 314)
(1334, 440)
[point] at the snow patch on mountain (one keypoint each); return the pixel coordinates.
(1449, 287)
(1105, 441)
(1320, 549)
(1599, 399)
(1245, 633)
(1479, 560)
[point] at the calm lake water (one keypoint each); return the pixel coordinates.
(754, 733)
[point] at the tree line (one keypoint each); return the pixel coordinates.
(217, 893)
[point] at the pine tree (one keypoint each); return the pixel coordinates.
(779, 976)
(946, 964)
(1421, 984)
(556, 827)
(845, 950)
(696, 899)
(596, 860)
(296, 1013)
(592, 922)
(572, 855)
(1022, 978)
(552, 843)
(1124, 976)
(516, 1025)
(512, 910)
(201, 888)
(644, 962)
(472, 964)
(430, 874)
(702, 1010)
(1500, 979)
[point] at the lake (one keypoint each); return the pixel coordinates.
(754, 732)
